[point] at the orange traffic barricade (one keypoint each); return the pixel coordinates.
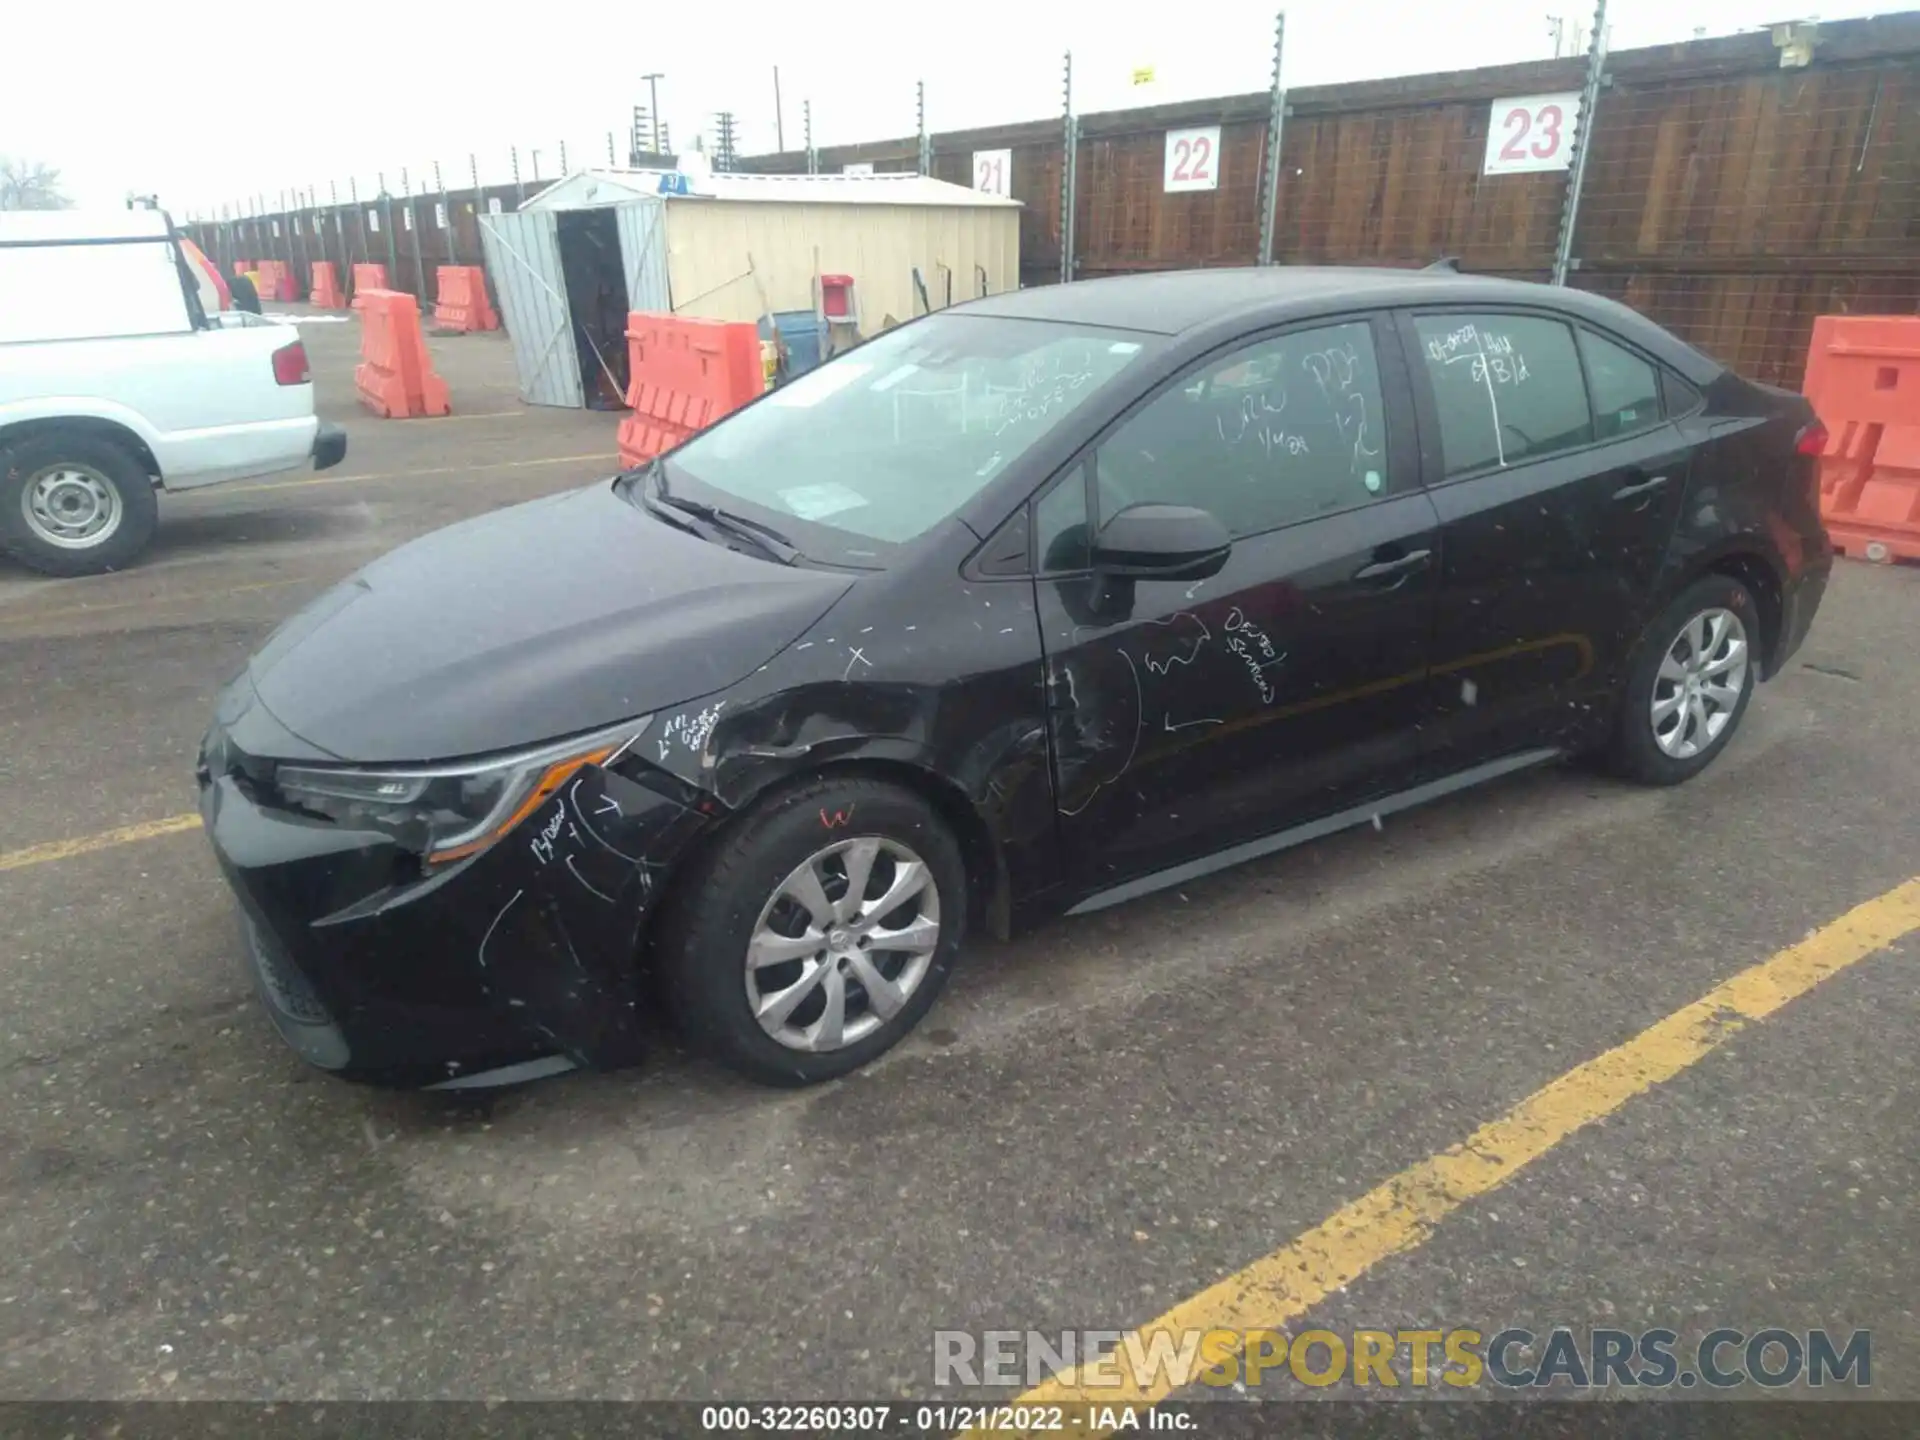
(276, 280)
(367, 277)
(461, 300)
(683, 375)
(326, 288)
(1863, 377)
(395, 376)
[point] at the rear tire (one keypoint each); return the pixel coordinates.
(1692, 677)
(829, 965)
(73, 503)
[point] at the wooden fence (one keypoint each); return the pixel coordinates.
(1726, 196)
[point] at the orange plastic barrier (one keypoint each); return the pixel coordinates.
(275, 280)
(395, 376)
(461, 302)
(367, 277)
(1863, 377)
(326, 289)
(684, 375)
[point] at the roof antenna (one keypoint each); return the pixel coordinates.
(1446, 265)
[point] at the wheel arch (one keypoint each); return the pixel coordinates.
(95, 427)
(989, 890)
(1744, 558)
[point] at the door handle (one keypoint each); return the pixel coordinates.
(1386, 569)
(1644, 487)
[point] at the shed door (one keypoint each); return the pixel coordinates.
(523, 256)
(643, 253)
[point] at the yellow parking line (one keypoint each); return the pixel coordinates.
(401, 474)
(87, 844)
(1399, 1215)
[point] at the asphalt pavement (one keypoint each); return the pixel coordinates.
(1098, 1121)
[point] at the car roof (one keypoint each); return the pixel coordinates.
(1176, 301)
(52, 227)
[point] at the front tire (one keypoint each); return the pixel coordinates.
(73, 503)
(1692, 678)
(817, 932)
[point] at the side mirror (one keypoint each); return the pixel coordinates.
(1162, 542)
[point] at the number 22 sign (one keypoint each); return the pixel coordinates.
(1193, 159)
(1531, 133)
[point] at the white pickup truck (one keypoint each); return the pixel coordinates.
(115, 383)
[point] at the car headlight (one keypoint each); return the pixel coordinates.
(448, 812)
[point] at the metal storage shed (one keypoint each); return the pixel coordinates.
(731, 247)
(566, 276)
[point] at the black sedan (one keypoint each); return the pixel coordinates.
(1038, 604)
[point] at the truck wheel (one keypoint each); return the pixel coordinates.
(74, 504)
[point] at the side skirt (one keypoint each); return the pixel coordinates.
(1313, 830)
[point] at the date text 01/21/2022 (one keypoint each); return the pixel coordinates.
(943, 1419)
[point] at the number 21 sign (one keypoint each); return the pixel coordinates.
(1193, 159)
(1531, 133)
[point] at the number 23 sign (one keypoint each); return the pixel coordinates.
(1530, 133)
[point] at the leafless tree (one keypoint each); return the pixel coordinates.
(29, 185)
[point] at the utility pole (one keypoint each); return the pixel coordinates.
(806, 127)
(723, 138)
(653, 79)
(779, 116)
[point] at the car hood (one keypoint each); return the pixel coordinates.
(557, 616)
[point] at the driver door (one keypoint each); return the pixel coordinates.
(1187, 716)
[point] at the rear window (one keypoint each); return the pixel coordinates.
(1626, 389)
(53, 291)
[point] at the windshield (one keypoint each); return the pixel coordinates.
(890, 439)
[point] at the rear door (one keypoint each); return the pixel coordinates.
(1190, 715)
(1558, 480)
(523, 257)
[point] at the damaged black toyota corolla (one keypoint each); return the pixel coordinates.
(1037, 604)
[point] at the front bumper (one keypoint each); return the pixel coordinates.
(373, 970)
(329, 446)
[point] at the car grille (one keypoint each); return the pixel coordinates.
(286, 987)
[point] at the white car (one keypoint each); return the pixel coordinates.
(116, 382)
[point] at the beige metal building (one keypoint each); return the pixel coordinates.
(876, 228)
(572, 261)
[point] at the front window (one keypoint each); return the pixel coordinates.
(880, 445)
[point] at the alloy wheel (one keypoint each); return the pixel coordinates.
(843, 944)
(1699, 683)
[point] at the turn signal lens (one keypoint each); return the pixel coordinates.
(556, 775)
(1812, 439)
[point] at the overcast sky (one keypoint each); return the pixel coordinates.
(203, 107)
